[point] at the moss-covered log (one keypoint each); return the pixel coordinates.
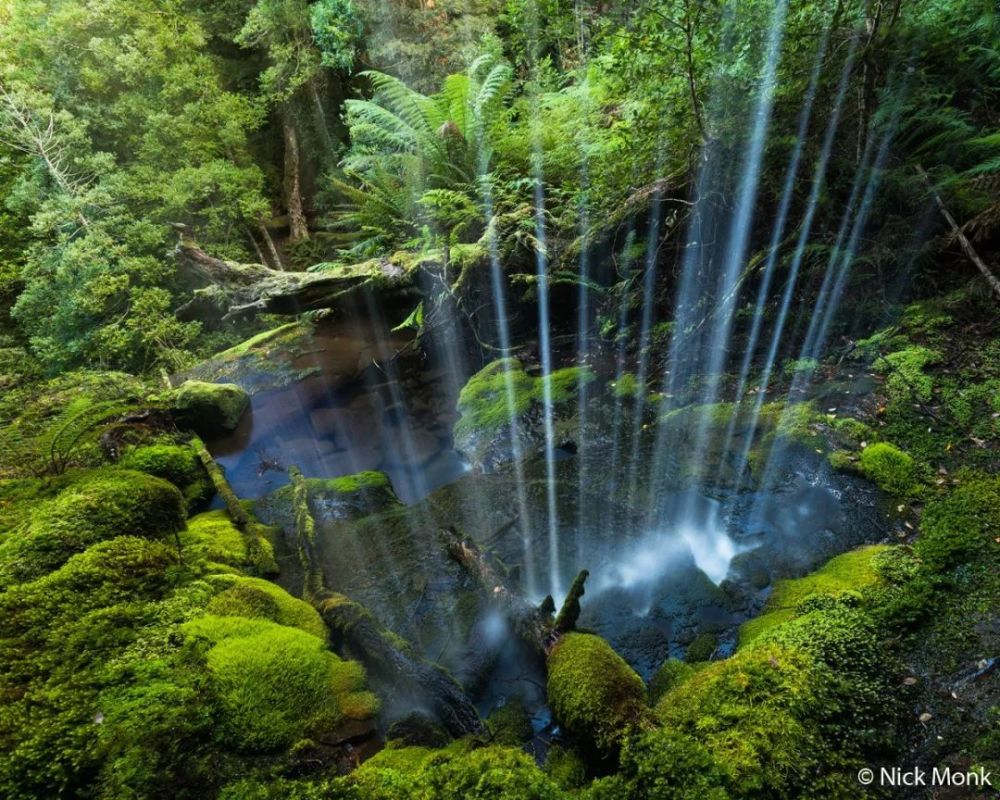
(391, 662)
(258, 555)
(244, 290)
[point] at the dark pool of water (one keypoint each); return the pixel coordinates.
(371, 403)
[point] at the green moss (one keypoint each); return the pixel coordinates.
(906, 378)
(890, 468)
(265, 341)
(503, 387)
(173, 462)
(672, 672)
(510, 724)
(593, 692)
(278, 685)
(849, 572)
(208, 408)
(256, 598)
(212, 538)
(458, 772)
(755, 713)
(670, 764)
(99, 505)
(359, 481)
(798, 366)
(964, 523)
(843, 461)
(566, 767)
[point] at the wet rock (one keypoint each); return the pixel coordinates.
(418, 730)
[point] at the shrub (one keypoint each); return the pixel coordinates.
(890, 468)
(593, 692)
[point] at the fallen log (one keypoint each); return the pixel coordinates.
(258, 555)
(532, 624)
(243, 290)
(389, 660)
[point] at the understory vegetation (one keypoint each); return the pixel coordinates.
(549, 188)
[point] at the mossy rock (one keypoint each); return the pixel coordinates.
(757, 714)
(890, 468)
(702, 648)
(177, 463)
(850, 572)
(99, 505)
(279, 685)
(501, 410)
(208, 408)
(120, 570)
(264, 362)
(256, 598)
(212, 539)
(594, 693)
(346, 497)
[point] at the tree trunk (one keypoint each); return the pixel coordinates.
(298, 228)
(271, 248)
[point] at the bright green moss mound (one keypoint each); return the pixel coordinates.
(668, 764)
(122, 569)
(458, 772)
(256, 598)
(964, 523)
(755, 714)
(208, 408)
(278, 685)
(593, 692)
(510, 724)
(847, 573)
(100, 505)
(905, 376)
(359, 481)
(212, 539)
(173, 462)
(890, 468)
(503, 388)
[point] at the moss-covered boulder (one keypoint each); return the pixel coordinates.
(501, 411)
(346, 497)
(848, 573)
(100, 505)
(212, 540)
(208, 408)
(177, 463)
(757, 714)
(593, 693)
(890, 468)
(279, 685)
(256, 598)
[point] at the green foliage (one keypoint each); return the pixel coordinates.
(798, 366)
(95, 507)
(702, 648)
(906, 376)
(594, 693)
(278, 685)
(890, 468)
(510, 724)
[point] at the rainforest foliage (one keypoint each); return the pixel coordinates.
(497, 149)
